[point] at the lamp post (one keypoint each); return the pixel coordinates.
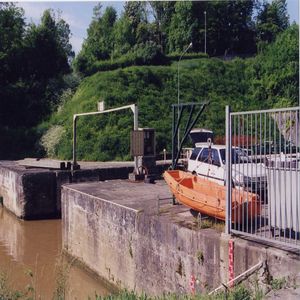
(205, 31)
(178, 90)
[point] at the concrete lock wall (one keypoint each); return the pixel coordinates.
(136, 251)
(27, 193)
(155, 254)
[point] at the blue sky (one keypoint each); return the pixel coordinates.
(79, 14)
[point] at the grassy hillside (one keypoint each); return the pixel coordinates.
(268, 80)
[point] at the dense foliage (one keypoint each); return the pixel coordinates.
(34, 60)
(267, 80)
(137, 54)
(148, 31)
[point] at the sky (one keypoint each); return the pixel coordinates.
(79, 14)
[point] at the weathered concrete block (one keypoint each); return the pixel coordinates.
(62, 177)
(85, 175)
(29, 194)
(39, 196)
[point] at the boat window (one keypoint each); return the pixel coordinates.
(234, 156)
(195, 153)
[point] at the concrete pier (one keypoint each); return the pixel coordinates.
(125, 234)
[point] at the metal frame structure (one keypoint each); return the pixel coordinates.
(179, 108)
(133, 108)
(271, 174)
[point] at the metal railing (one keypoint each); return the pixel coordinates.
(263, 171)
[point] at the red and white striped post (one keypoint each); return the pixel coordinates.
(192, 284)
(231, 262)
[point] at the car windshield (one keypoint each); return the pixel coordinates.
(195, 153)
(234, 156)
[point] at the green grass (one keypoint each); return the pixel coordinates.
(154, 89)
(238, 293)
(267, 80)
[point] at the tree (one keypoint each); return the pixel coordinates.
(183, 27)
(99, 43)
(32, 60)
(230, 27)
(274, 75)
(162, 12)
(272, 19)
(135, 11)
(124, 37)
(44, 50)
(11, 26)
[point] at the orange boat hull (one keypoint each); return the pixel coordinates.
(208, 197)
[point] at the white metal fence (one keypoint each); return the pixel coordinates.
(263, 168)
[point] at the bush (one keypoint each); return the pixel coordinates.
(148, 53)
(175, 56)
(142, 54)
(51, 139)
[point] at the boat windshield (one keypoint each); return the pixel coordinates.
(234, 156)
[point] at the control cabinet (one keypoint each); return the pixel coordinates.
(142, 142)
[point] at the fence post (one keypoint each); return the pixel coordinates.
(228, 171)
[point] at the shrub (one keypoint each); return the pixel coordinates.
(175, 56)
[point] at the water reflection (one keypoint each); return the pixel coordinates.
(36, 246)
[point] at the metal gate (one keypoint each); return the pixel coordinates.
(263, 171)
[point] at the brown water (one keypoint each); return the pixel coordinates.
(36, 246)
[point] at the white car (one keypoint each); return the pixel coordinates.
(209, 161)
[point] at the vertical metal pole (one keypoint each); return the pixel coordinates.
(136, 127)
(270, 217)
(74, 141)
(249, 146)
(178, 91)
(256, 188)
(135, 117)
(173, 137)
(297, 216)
(266, 180)
(228, 171)
(178, 100)
(205, 32)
